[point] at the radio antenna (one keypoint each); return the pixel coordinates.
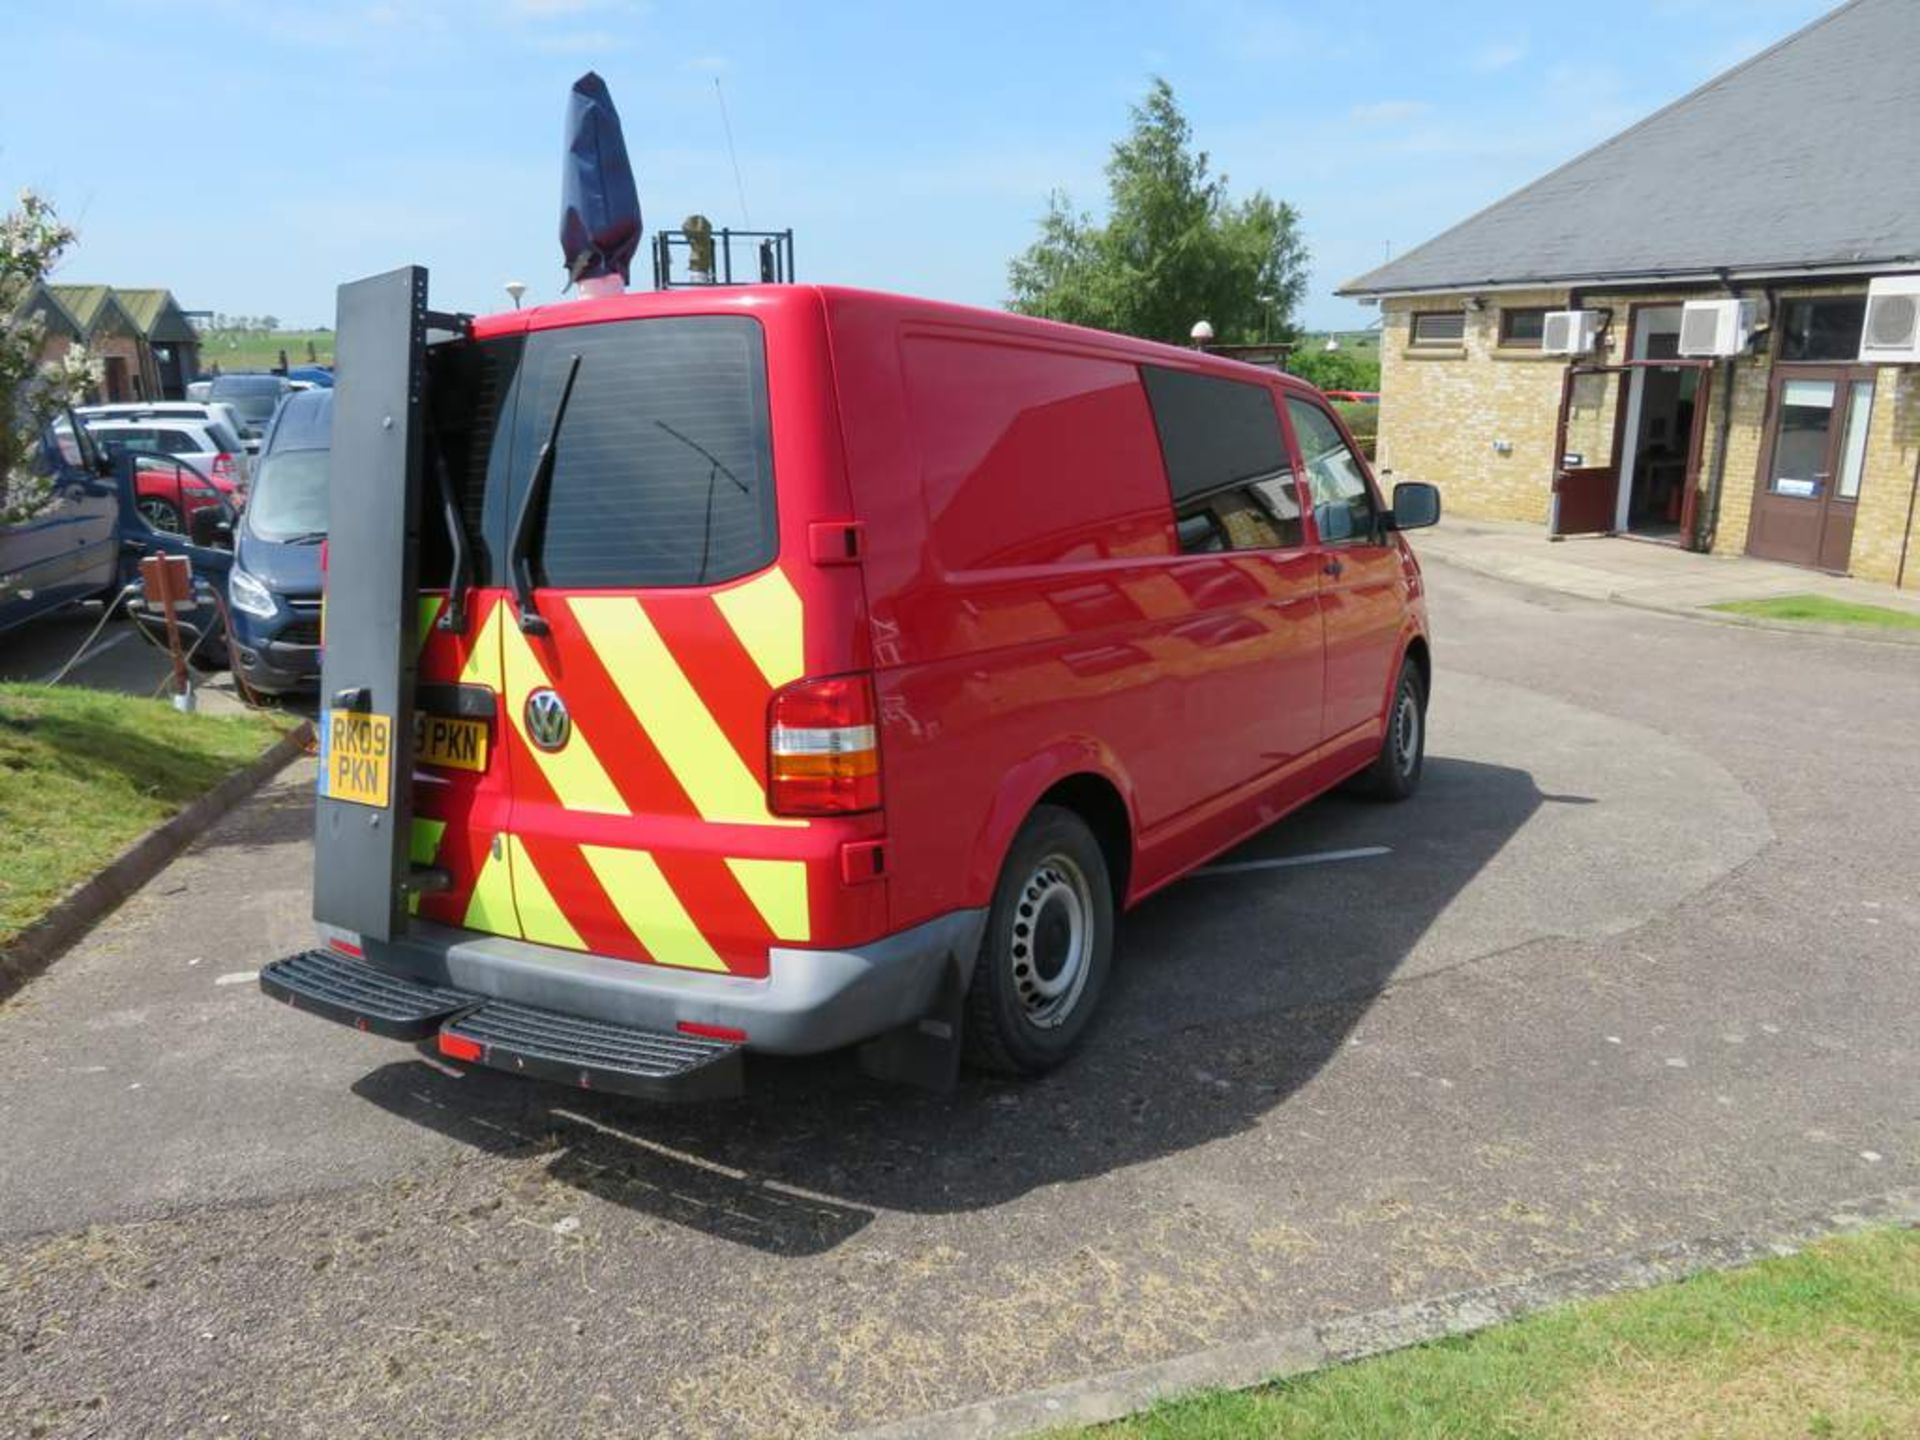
(739, 186)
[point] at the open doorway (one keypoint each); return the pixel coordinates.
(1659, 447)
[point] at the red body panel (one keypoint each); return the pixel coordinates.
(1019, 598)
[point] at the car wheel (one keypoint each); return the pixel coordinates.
(1395, 772)
(162, 515)
(1047, 950)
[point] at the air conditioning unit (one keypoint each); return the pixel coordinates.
(1891, 335)
(1715, 327)
(1569, 332)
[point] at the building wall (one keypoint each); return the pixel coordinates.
(1479, 421)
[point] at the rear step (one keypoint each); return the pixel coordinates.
(590, 1054)
(655, 1064)
(356, 994)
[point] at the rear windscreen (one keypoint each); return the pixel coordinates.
(662, 468)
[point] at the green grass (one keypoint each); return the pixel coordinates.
(1824, 1343)
(1819, 609)
(234, 351)
(84, 773)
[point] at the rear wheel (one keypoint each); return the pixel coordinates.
(1047, 951)
(1395, 772)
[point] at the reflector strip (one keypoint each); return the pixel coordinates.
(541, 918)
(490, 907)
(574, 771)
(647, 904)
(766, 617)
(670, 710)
(778, 890)
(712, 1032)
(459, 1047)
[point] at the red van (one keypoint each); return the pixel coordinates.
(834, 668)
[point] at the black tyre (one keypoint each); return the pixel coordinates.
(1395, 772)
(1047, 951)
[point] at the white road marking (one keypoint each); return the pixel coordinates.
(1286, 862)
(91, 655)
(236, 977)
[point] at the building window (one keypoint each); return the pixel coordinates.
(1827, 329)
(1446, 328)
(1523, 327)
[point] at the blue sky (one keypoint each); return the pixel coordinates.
(251, 154)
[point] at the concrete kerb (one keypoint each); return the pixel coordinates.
(43, 942)
(1246, 1364)
(1864, 633)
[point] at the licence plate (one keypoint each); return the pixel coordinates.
(356, 755)
(450, 743)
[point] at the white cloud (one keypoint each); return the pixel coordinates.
(1388, 112)
(1498, 55)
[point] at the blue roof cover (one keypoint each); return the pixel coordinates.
(599, 204)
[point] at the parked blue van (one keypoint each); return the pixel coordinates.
(274, 587)
(66, 546)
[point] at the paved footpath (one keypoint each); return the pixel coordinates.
(1636, 966)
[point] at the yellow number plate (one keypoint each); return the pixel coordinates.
(450, 743)
(356, 758)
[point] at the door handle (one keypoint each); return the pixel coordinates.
(1333, 568)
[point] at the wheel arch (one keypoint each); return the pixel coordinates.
(1078, 775)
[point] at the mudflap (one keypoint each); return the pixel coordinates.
(925, 1053)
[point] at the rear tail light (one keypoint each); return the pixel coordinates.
(824, 748)
(223, 467)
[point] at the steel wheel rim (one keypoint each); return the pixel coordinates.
(1406, 732)
(1051, 946)
(159, 515)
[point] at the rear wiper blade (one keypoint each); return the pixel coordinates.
(454, 618)
(716, 467)
(519, 566)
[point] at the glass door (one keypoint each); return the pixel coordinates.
(1809, 484)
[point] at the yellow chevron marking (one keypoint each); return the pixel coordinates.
(671, 711)
(778, 890)
(490, 908)
(574, 771)
(483, 661)
(429, 612)
(541, 919)
(766, 618)
(647, 904)
(423, 844)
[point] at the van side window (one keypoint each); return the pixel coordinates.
(1227, 465)
(1342, 500)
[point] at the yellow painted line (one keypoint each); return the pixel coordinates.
(490, 908)
(541, 919)
(578, 779)
(647, 904)
(766, 617)
(671, 711)
(778, 890)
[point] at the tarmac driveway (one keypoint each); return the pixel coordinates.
(1636, 965)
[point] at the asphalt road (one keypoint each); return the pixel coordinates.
(1637, 964)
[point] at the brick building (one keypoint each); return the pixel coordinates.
(146, 347)
(1786, 183)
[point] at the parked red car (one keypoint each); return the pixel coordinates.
(837, 668)
(1354, 397)
(168, 493)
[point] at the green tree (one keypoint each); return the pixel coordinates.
(1174, 249)
(1333, 369)
(32, 391)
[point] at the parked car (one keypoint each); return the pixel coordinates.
(274, 587)
(200, 445)
(1353, 397)
(221, 421)
(254, 397)
(206, 540)
(846, 664)
(198, 389)
(66, 547)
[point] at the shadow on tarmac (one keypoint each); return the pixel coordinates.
(1233, 992)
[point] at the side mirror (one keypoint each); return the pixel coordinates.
(1416, 505)
(211, 527)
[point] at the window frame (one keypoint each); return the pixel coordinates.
(1376, 533)
(1507, 315)
(1415, 341)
